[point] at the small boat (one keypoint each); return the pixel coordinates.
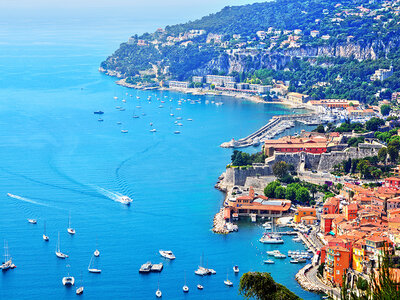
(271, 239)
(45, 237)
(236, 269)
(201, 271)
(68, 280)
(200, 287)
(124, 131)
(153, 130)
(297, 240)
(7, 264)
(280, 255)
(135, 116)
(269, 261)
(70, 229)
(122, 109)
(158, 294)
(212, 271)
(79, 290)
(179, 124)
(91, 269)
(32, 221)
(96, 253)
(118, 107)
(125, 200)
(160, 106)
(59, 254)
(227, 281)
(294, 261)
(100, 120)
(123, 100)
(145, 268)
(177, 132)
(267, 226)
(185, 288)
(99, 112)
(167, 254)
(190, 119)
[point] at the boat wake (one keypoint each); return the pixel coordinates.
(28, 200)
(115, 196)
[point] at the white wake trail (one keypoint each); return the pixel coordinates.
(115, 196)
(27, 200)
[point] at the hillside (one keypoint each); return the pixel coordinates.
(241, 40)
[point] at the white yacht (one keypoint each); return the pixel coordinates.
(227, 281)
(167, 254)
(59, 254)
(125, 200)
(201, 271)
(267, 226)
(200, 287)
(7, 264)
(158, 293)
(68, 280)
(124, 131)
(271, 239)
(153, 130)
(236, 269)
(32, 221)
(185, 288)
(269, 261)
(79, 290)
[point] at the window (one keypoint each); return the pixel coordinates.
(338, 272)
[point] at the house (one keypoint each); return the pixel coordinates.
(350, 211)
(335, 103)
(178, 84)
(326, 223)
(382, 74)
(297, 97)
(314, 33)
(331, 206)
(392, 182)
(288, 144)
(304, 212)
(336, 263)
(309, 220)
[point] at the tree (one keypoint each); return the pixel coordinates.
(393, 153)
(302, 195)
(373, 124)
(313, 191)
(385, 109)
(320, 128)
(280, 169)
(261, 286)
(269, 190)
(291, 193)
(382, 155)
(280, 192)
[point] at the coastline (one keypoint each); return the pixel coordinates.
(201, 92)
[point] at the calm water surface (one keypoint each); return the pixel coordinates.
(58, 158)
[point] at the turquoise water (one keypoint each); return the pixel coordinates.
(58, 158)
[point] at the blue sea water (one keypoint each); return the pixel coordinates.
(59, 159)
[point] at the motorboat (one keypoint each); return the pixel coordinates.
(99, 112)
(280, 255)
(58, 252)
(267, 226)
(125, 200)
(145, 268)
(124, 131)
(297, 240)
(294, 261)
(236, 269)
(200, 287)
(100, 120)
(135, 116)
(68, 280)
(153, 130)
(167, 254)
(122, 109)
(32, 221)
(269, 261)
(96, 253)
(212, 271)
(273, 252)
(177, 132)
(189, 119)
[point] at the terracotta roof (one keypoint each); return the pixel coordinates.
(309, 218)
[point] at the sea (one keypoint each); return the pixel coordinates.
(58, 160)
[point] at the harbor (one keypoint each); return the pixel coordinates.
(277, 125)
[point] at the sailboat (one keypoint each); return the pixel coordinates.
(227, 281)
(158, 292)
(79, 290)
(59, 254)
(45, 237)
(93, 270)
(7, 264)
(70, 229)
(185, 288)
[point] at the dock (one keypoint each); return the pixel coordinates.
(149, 267)
(277, 125)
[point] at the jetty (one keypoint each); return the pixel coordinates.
(277, 125)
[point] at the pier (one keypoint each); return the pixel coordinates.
(275, 126)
